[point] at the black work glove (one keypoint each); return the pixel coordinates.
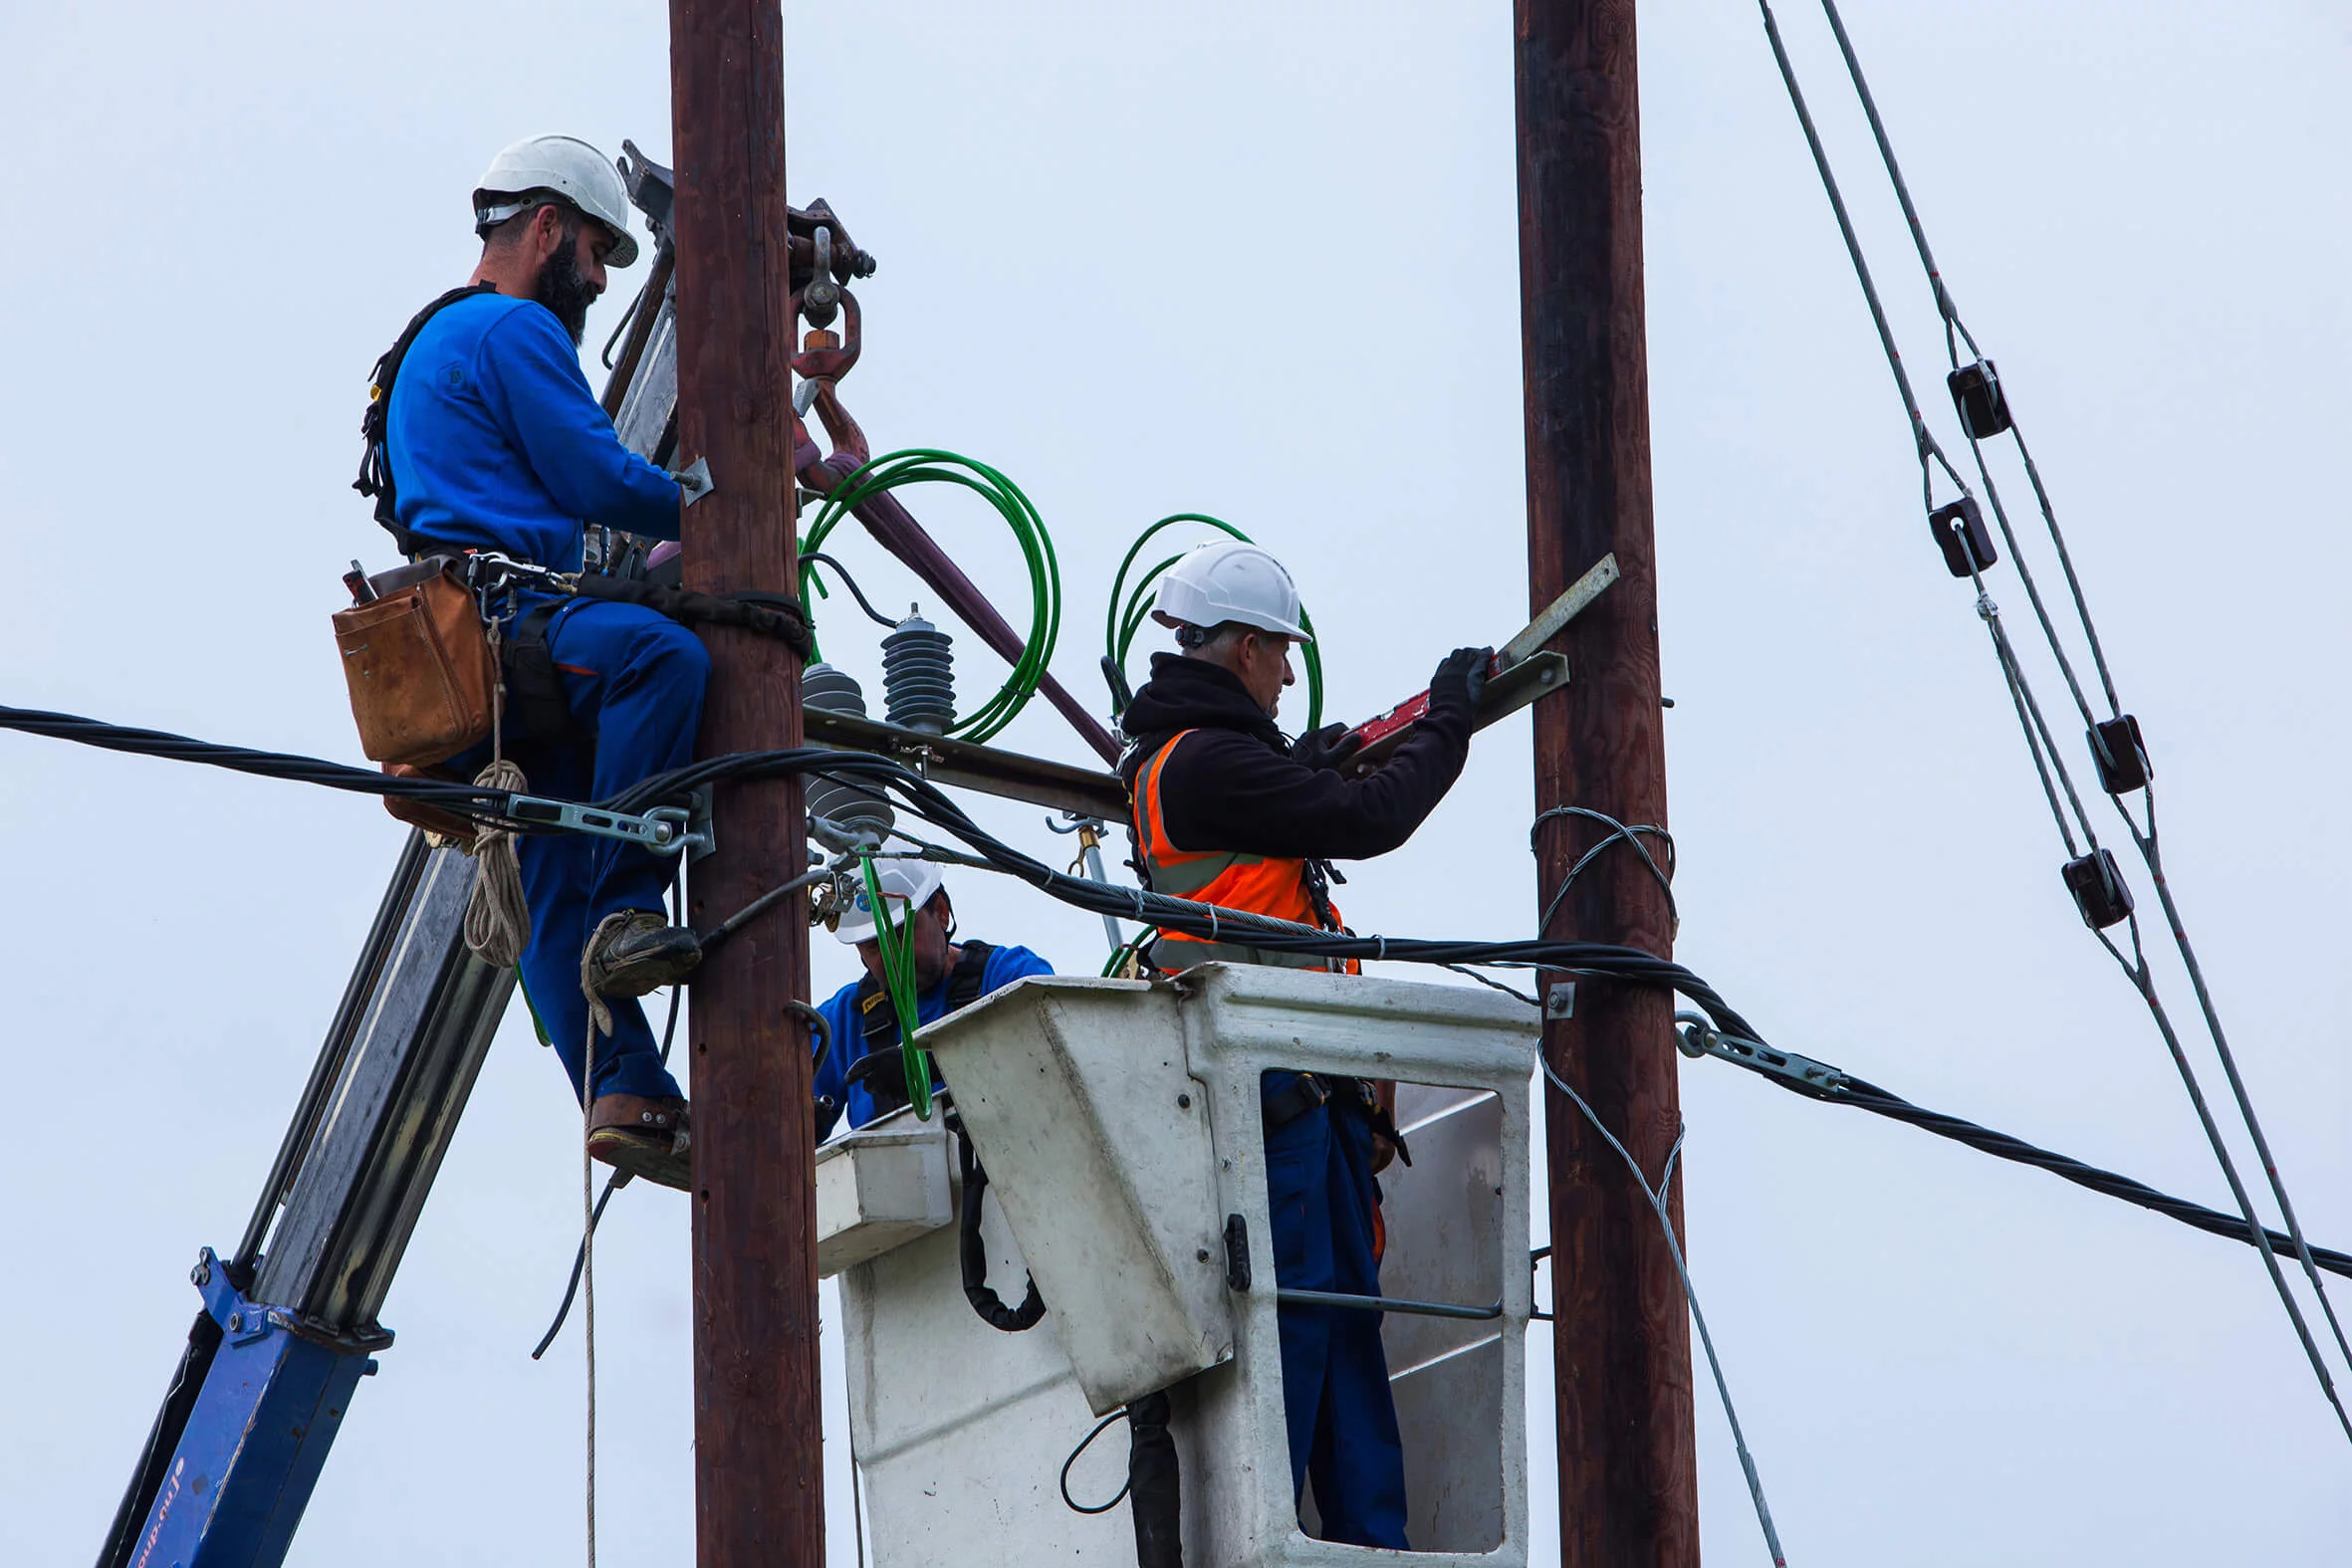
(1460, 679)
(1327, 747)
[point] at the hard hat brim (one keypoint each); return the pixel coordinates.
(1298, 634)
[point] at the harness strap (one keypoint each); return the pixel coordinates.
(376, 460)
(777, 616)
(535, 701)
(1278, 1109)
(880, 1068)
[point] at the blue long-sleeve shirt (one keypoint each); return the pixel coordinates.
(496, 442)
(1005, 966)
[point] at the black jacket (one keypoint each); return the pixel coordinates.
(1233, 785)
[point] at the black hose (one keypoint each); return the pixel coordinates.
(974, 1253)
(1155, 1488)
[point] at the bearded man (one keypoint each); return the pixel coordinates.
(494, 442)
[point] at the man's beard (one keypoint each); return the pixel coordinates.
(564, 291)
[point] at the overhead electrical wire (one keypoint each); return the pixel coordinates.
(2123, 776)
(1658, 1200)
(926, 800)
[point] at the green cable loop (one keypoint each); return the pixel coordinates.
(898, 977)
(1127, 950)
(925, 465)
(1121, 621)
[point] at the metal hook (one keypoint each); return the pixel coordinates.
(823, 297)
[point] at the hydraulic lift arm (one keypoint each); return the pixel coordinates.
(290, 1319)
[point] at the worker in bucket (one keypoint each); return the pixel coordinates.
(1228, 812)
(492, 441)
(863, 1071)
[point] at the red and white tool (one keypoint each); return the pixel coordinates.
(1520, 673)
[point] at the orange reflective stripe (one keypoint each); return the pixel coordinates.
(1156, 846)
(1254, 884)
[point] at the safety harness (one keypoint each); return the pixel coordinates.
(536, 706)
(880, 1068)
(376, 462)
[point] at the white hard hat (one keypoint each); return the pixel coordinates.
(1229, 582)
(908, 885)
(572, 170)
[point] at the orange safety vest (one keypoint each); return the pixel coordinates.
(1257, 884)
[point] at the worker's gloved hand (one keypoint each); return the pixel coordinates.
(1327, 747)
(1460, 679)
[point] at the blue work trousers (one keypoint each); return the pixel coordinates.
(1342, 1416)
(635, 680)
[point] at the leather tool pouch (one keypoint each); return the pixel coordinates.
(418, 665)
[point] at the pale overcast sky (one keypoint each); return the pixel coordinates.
(1260, 261)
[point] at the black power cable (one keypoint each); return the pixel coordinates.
(1832, 1086)
(927, 800)
(1207, 920)
(466, 799)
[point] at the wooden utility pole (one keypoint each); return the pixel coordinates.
(1628, 1481)
(758, 1497)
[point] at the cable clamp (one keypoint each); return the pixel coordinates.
(666, 830)
(1701, 1038)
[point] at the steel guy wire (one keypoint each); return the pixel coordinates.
(2136, 969)
(1922, 438)
(2043, 744)
(2014, 679)
(1618, 832)
(1948, 310)
(1657, 1197)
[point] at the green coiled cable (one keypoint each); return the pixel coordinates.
(1124, 616)
(929, 465)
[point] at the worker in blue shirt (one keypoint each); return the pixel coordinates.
(494, 442)
(862, 1071)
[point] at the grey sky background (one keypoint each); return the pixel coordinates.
(1261, 262)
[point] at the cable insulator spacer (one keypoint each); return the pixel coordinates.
(2121, 755)
(1976, 393)
(2098, 889)
(1959, 534)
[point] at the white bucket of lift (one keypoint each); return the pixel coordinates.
(1095, 1138)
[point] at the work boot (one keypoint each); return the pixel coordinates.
(639, 951)
(642, 1137)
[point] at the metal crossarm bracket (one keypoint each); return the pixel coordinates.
(666, 830)
(1700, 1038)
